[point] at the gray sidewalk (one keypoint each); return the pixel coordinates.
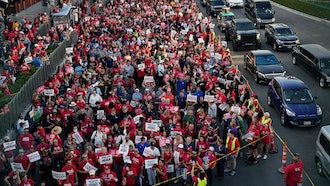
(31, 12)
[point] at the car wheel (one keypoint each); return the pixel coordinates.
(282, 118)
(274, 46)
(269, 101)
(294, 60)
(319, 167)
(256, 78)
(322, 82)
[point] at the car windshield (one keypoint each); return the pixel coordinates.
(283, 32)
(299, 96)
(266, 60)
(325, 63)
(217, 3)
(244, 26)
(264, 8)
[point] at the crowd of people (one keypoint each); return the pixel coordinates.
(149, 93)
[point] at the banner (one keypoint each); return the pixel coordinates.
(159, 123)
(10, 145)
(192, 98)
(93, 182)
(17, 167)
(209, 98)
(88, 167)
(149, 163)
(152, 127)
(148, 79)
(138, 139)
(77, 137)
(123, 149)
(163, 142)
(49, 92)
(33, 157)
(107, 159)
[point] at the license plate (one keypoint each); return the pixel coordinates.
(307, 122)
(289, 46)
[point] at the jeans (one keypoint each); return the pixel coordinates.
(151, 176)
(182, 171)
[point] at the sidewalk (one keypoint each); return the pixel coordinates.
(31, 12)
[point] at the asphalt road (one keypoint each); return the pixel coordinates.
(300, 140)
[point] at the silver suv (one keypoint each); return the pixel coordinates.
(322, 151)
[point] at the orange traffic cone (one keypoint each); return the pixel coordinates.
(282, 168)
(273, 150)
(300, 180)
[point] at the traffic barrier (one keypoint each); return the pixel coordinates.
(273, 150)
(282, 168)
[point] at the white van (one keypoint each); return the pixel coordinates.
(322, 151)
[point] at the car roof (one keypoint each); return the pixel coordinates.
(261, 52)
(242, 20)
(290, 82)
(279, 25)
(326, 131)
(317, 50)
(227, 14)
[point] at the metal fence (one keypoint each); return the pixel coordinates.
(22, 99)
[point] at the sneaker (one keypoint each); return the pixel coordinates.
(259, 156)
(265, 157)
(227, 170)
(232, 173)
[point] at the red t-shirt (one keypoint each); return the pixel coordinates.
(24, 160)
(108, 179)
(164, 170)
(28, 182)
(71, 172)
(137, 162)
(293, 173)
(130, 179)
(26, 140)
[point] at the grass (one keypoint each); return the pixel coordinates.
(315, 8)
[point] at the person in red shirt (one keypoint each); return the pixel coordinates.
(72, 172)
(161, 171)
(178, 129)
(91, 177)
(25, 181)
(209, 163)
(83, 174)
(137, 163)
(202, 146)
(129, 174)
(21, 158)
(12, 178)
(294, 171)
(108, 177)
(25, 140)
(57, 153)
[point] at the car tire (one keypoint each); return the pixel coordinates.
(322, 82)
(294, 60)
(269, 101)
(282, 119)
(256, 78)
(275, 47)
(319, 167)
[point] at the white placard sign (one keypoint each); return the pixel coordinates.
(192, 98)
(33, 157)
(158, 122)
(136, 119)
(49, 92)
(77, 137)
(123, 149)
(59, 175)
(107, 159)
(88, 167)
(174, 133)
(148, 152)
(152, 127)
(93, 182)
(236, 109)
(200, 40)
(69, 50)
(170, 168)
(17, 167)
(10, 145)
(150, 163)
(149, 79)
(209, 98)
(141, 66)
(138, 139)
(98, 150)
(100, 114)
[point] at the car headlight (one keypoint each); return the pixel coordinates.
(258, 36)
(297, 42)
(238, 37)
(261, 75)
(319, 110)
(258, 20)
(279, 42)
(289, 112)
(273, 19)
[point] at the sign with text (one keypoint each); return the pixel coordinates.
(192, 98)
(77, 137)
(148, 152)
(152, 127)
(174, 133)
(150, 163)
(148, 79)
(170, 168)
(138, 139)
(59, 175)
(33, 157)
(100, 114)
(209, 98)
(17, 167)
(123, 149)
(49, 92)
(107, 159)
(158, 122)
(10, 145)
(141, 66)
(88, 167)
(93, 182)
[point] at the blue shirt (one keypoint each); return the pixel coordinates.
(199, 94)
(181, 84)
(141, 147)
(37, 62)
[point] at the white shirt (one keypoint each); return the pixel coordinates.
(26, 123)
(94, 98)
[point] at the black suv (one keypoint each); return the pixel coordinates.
(316, 59)
(214, 7)
(263, 65)
(281, 36)
(242, 32)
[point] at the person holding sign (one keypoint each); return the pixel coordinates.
(108, 177)
(83, 174)
(90, 178)
(13, 178)
(23, 159)
(129, 174)
(25, 181)
(161, 171)
(72, 172)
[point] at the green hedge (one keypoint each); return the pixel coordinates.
(315, 8)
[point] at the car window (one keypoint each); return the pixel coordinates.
(307, 54)
(325, 143)
(298, 96)
(325, 63)
(277, 88)
(216, 3)
(244, 26)
(283, 32)
(266, 60)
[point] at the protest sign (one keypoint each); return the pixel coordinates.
(77, 137)
(138, 139)
(33, 157)
(149, 163)
(17, 167)
(59, 175)
(174, 133)
(149, 79)
(123, 149)
(88, 167)
(192, 98)
(159, 123)
(100, 114)
(170, 168)
(148, 152)
(10, 145)
(152, 127)
(49, 92)
(107, 159)
(69, 50)
(209, 98)
(141, 66)
(98, 150)
(93, 182)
